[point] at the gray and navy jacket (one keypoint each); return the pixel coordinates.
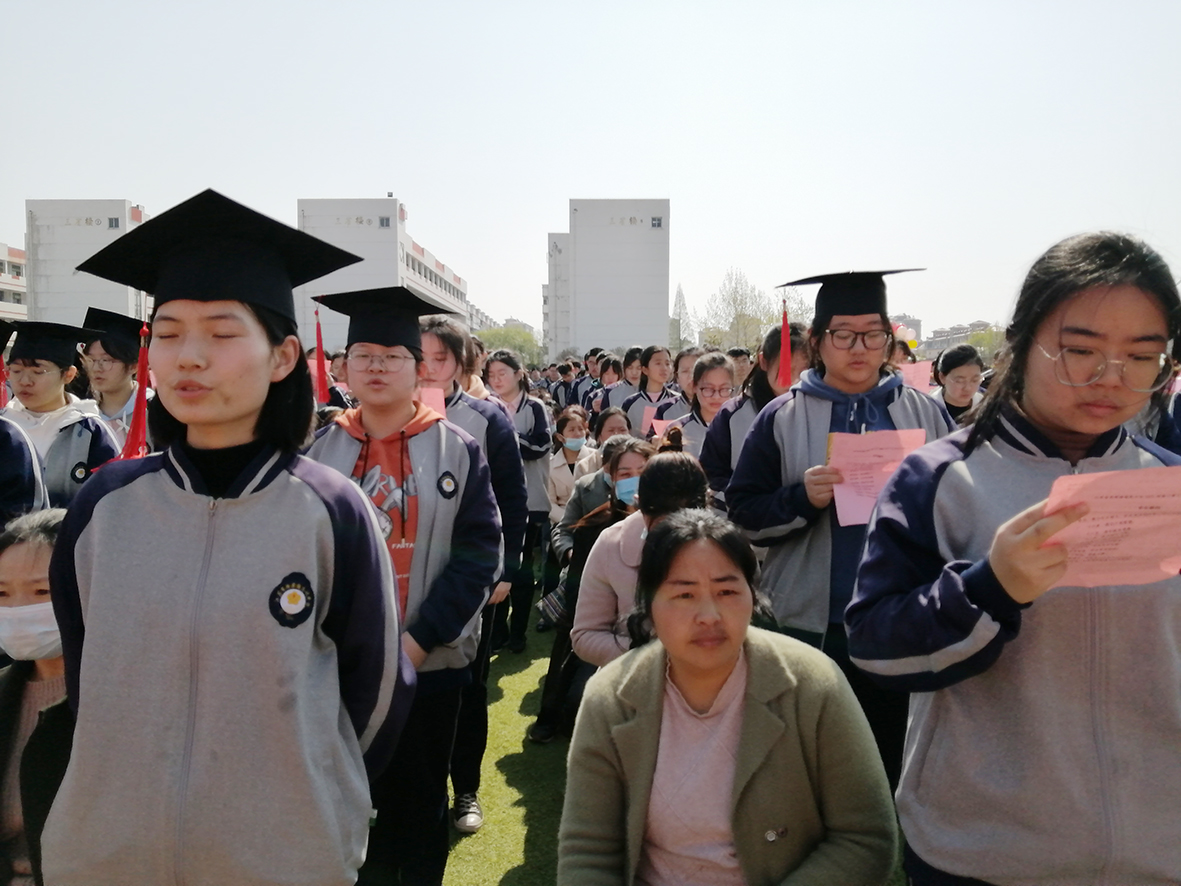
(616, 393)
(635, 405)
(457, 544)
(811, 561)
(236, 670)
(1043, 739)
(535, 438)
(79, 449)
(723, 443)
(489, 424)
(22, 488)
(693, 429)
(578, 390)
(671, 410)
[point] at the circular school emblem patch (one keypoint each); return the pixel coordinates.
(448, 485)
(78, 472)
(293, 600)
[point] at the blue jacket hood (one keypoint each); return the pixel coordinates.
(867, 409)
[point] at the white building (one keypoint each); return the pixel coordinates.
(61, 234)
(608, 278)
(12, 284)
(375, 229)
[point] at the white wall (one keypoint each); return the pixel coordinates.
(61, 234)
(619, 273)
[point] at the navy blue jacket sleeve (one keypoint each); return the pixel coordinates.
(459, 591)
(103, 445)
(508, 485)
(757, 497)
(21, 486)
(377, 680)
(537, 442)
(918, 622)
(716, 453)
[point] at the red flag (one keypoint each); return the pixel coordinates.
(785, 351)
(136, 445)
(321, 372)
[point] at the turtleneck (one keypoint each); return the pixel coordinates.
(219, 468)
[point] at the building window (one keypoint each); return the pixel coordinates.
(18, 298)
(383, 221)
(658, 221)
(16, 270)
(112, 223)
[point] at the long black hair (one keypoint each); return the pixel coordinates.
(756, 386)
(288, 411)
(646, 358)
(1065, 270)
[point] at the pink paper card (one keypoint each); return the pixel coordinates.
(646, 424)
(866, 462)
(1130, 536)
(660, 426)
(917, 375)
(433, 397)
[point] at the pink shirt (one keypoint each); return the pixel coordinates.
(688, 838)
(607, 593)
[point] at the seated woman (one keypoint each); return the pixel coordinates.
(35, 740)
(720, 754)
(670, 481)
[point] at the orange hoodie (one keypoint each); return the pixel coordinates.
(382, 469)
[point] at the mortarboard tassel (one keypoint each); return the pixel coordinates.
(3, 382)
(137, 435)
(321, 373)
(785, 351)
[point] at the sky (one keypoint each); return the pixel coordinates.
(792, 138)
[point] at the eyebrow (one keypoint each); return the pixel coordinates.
(1091, 333)
(161, 318)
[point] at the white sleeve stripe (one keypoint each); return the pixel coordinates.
(982, 634)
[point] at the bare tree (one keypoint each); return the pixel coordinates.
(680, 325)
(739, 314)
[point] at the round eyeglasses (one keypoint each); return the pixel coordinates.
(1078, 367)
(844, 339)
(724, 391)
(363, 362)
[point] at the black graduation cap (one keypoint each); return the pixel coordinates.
(7, 328)
(114, 327)
(54, 342)
(210, 248)
(853, 292)
(385, 317)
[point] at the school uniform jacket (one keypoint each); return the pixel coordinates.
(617, 392)
(489, 423)
(693, 430)
(671, 410)
(22, 488)
(639, 402)
(531, 419)
(723, 443)
(81, 446)
(1043, 739)
(235, 666)
(456, 554)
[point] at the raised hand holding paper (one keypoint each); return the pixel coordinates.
(866, 462)
(1130, 536)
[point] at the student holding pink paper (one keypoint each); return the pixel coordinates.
(653, 391)
(782, 487)
(1046, 721)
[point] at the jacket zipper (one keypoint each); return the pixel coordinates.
(190, 728)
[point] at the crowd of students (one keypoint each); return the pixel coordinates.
(260, 654)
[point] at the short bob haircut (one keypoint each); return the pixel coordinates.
(1067, 269)
(37, 527)
(953, 358)
(708, 362)
(666, 539)
(819, 328)
(122, 351)
(287, 413)
(454, 336)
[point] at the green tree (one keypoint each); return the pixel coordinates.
(517, 339)
(987, 343)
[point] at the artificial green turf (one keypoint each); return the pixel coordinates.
(522, 783)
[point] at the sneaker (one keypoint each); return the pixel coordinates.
(466, 814)
(516, 645)
(542, 732)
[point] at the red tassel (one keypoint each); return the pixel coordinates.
(321, 373)
(3, 381)
(785, 351)
(136, 445)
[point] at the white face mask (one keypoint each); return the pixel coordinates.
(28, 633)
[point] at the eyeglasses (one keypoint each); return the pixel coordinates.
(102, 364)
(844, 339)
(1079, 367)
(363, 362)
(19, 372)
(724, 391)
(972, 381)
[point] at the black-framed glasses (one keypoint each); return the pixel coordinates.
(844, 339)
(1078, 367)
(363, 362)
(724, 391)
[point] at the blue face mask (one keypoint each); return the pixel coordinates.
(574, 443)
(626, 489)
